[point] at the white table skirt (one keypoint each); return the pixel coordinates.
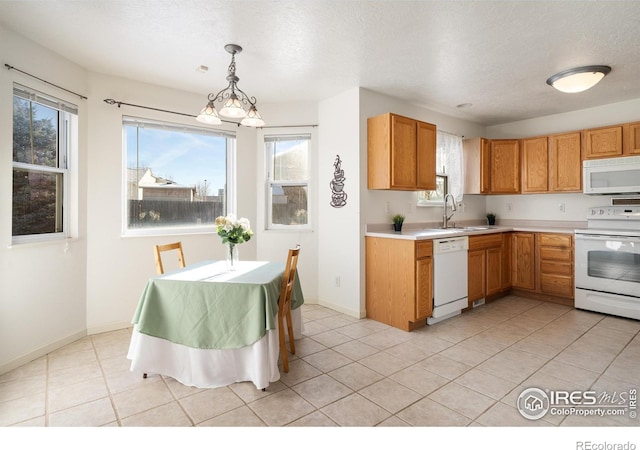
(205, 368)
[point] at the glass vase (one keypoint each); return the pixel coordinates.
(232, 256)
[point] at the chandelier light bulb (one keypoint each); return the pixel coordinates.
(209, 115)
(233, 108)
(253, 118)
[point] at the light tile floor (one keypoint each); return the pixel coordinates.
(468, 370)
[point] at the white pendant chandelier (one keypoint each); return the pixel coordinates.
(233, 99)
(578, 79)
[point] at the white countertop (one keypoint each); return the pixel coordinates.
(415, 232)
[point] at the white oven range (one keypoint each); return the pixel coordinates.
(607, 261)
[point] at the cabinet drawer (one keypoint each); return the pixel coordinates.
(424, 249)
(485, 241)
(556, 268)
(555, 240)
(557, 285)
(555, 254)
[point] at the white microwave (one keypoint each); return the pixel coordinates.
(611, 175)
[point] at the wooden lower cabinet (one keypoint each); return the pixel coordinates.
(543, 266)
(424, 288)
(477, 275)
(507, 242)
(555, 267)
(399, 281)
(399, 273)
(485, 266)
(523, 264)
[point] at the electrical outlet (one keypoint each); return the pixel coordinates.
(561, 207)
(338, 281)
(509, 207)
(462, 206)
(386, 208)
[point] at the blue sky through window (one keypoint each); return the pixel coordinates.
(187, 158)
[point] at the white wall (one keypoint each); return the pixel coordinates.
(339, 241)
(42, 285)
(273, 245)
(599, 116)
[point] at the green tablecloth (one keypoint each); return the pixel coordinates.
(204, 306)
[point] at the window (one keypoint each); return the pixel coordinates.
(288, 180)
(449, 167)
(436, 196)
(44, 129)
(177, 177)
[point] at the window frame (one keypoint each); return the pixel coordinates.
(230, 172)
(66, 125)
(423, 202)
(436, 202)
(270, 183)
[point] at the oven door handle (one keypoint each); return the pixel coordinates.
(606, 237)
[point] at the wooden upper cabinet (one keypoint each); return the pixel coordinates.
(426, 156)
(605, 142)
(565, 163)
(631, 138)
(505, 166)
(404, 160)
(401, 153)
(477, 165)
(535, 165)
(491, 166)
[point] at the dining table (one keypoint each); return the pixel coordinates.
(207, 326)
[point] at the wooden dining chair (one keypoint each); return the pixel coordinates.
(284, 305)
(158, 249)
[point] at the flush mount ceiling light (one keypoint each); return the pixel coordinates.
(578, 79)
(233, 99)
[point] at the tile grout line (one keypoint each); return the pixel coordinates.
(106, 384)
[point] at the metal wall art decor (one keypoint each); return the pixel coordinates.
(338, 195)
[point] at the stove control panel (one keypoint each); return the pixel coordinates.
(614, 213)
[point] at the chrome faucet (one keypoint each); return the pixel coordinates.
(445, 218)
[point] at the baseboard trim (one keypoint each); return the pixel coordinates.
(114, 326)
(40, 352)
(342, 309)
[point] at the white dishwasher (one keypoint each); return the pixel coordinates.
(449, 277)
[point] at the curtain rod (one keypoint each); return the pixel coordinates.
(9, 67)
(452, 134)
(111, 101)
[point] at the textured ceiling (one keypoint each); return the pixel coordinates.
(495, 55)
